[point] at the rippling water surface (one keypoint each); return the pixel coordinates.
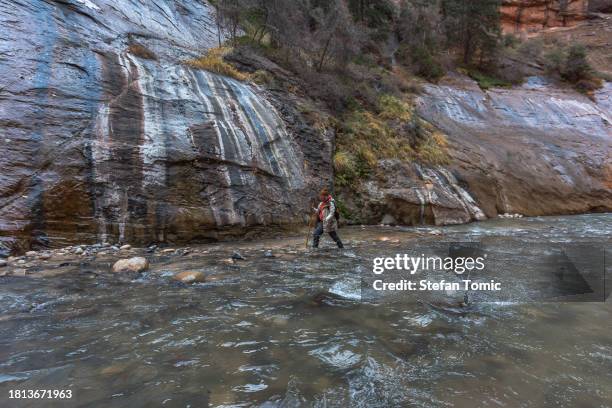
(291, 330)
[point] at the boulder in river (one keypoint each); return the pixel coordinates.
(136, 264)
(190, 277)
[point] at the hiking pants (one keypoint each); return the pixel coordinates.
(319, 231)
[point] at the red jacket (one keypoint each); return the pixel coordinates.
(324, 204)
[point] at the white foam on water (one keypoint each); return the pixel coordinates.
(336, 357)
(249, 388)
(350, 289)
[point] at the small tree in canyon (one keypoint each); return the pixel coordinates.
(473, 26)
(228, 18)
(419, 29)
(334, 36)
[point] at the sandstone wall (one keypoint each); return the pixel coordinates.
(525, 16)
(106, 135)
(533, 150)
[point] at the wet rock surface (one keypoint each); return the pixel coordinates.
(412, 194)
(108, 136)
(532, 150)
(535, 149)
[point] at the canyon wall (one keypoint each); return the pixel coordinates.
(527, 16)
(533, 150)
(107, 136)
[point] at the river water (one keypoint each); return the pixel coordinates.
(293, 330)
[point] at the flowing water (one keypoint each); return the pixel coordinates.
(293, 330)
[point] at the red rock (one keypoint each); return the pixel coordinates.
(525, 16)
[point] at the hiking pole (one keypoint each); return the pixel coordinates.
(310, 222)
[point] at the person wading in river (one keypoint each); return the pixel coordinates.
(327, 219)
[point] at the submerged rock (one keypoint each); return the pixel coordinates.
(114, 370)
(19, 272)
(237, 256)
(190, 277)
(136, 264)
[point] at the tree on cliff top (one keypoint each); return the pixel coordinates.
(474, 26)
(419, 29)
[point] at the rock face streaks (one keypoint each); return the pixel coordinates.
(414, 194)
(534, 150)
(104, 141)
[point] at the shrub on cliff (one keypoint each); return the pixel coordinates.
(576, 67)
(553, 60)
(392, 131)
(487, 80)
(428, 67)
(571, 65)
(213, 61)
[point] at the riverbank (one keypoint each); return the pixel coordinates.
(100, 258)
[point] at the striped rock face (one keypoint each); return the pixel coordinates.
(531, 150)
(534, 149)
(103, 141)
